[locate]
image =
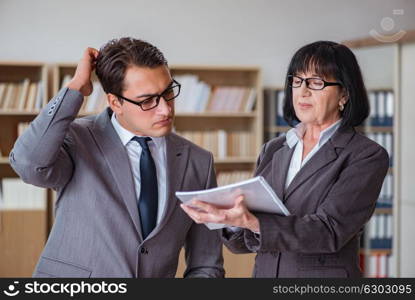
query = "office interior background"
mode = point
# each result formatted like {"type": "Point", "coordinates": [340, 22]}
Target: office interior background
{"type": "Point", "coordinates": [237, 48]}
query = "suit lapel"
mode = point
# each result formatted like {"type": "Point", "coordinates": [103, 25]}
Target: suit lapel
{"type": "Point", "coordinates": [324, 156]}
{"type": "Point", "coordinates": [118, 162]}
{"type": "Point", "coordinates": [280, 164]}
{"type": "Point", "coordinates": [177, 159]}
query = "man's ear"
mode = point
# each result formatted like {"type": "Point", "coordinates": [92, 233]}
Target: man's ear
{"type": "Point", "coordinates": [114, 103]}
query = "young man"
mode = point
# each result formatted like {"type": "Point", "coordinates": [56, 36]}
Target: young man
{"type": "Point", "coordinates": [116, 173]}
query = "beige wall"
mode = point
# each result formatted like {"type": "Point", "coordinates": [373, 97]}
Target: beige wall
{"type": "Point", "coordinates": [260, 32]}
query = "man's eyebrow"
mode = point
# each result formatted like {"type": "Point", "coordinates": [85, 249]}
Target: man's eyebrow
{"type": "Point", "coordinates": [150, 95]}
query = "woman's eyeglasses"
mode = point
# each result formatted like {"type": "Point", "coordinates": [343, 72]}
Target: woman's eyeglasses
{"type": "Point", "coordinates": [313, 83]}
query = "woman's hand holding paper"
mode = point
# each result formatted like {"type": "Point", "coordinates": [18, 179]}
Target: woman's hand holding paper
{"type": "Point", "coordinates": [238, 215]}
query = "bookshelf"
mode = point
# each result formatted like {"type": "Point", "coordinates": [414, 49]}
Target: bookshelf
{"type": "Point", "coordinates": [377, 250]}
{"type": "Point", "coordinates": [23, 225]}
{"type": "Point", "coordinates": [376, 244]}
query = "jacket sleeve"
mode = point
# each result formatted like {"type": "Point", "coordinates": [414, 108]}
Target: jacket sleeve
{"type": "Point", "coordinates": [235, 241]}
{"type": "Point", "coordinates": [352, 197]}
{"type": "Point", "coordinates": [42, 154]}
{"type": "Point", "coordinates": [203, 247]}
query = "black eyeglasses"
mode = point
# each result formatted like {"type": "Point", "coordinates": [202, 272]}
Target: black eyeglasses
{"type": "Point", "coordinates": [313, 83]}
{"type": "Point", "coordinates": [151, 101]}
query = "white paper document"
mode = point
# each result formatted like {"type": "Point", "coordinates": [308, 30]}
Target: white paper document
{"type": "Point", "coordinates": [259, 197]}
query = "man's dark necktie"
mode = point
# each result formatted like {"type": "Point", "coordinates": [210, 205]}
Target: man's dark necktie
{"type": "Point", "coordinates": [147, 204]}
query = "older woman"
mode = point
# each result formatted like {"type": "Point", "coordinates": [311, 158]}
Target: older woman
{"type": "Point", "coordinates": [328, 175]}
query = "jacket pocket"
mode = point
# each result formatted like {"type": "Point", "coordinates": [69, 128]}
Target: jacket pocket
{"type": "Point", "coordinates": [48, 267]}
{"type": "Point", "coordinates": [322, 273]}
{"type": "Point", "coordinates": [319, 260]}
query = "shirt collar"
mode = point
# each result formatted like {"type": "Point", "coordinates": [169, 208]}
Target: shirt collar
{"type": "Point", "coordinates": [296, 134]}
{"type": "Point", "coordinates": [126, 135]}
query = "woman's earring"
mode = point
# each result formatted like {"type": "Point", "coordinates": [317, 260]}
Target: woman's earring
{"type": "Point", "coordinates": [341, 106]}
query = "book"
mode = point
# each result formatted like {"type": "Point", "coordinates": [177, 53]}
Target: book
{"type": "Point", "coordinates": [9, 96]}
{"type": "Point", "coordinates": [259, 197]}
{"type": "Point", "coordinates": [3, 88]}
{"type": "Point", "coordinates": [31, 97]}
{"type": "Point", "coordinates": [17, 195]}
{"type": "Point", "coordinates": [250, 102]}
{"type": "Point", "coordinates": [23, 94]}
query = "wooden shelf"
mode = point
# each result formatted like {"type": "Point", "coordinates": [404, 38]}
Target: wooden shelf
{"type": "Point", "coordinates": [178, 115]}
{"type": "Point", "coordinates": [367, 129]}
{"type": "Point", "coordinates": [372, 251]}
{"type": "Point", "coordinates": [370, 41]}
{"type": "Point", "coordinates": [6, 169]}
{"type": "Point", "coordinates": [18, 113]}
{"type": "Point", "coordinates": [375, 129]}
{"type": "Point", "coordinates": [233, 160]}
{"type": "Point", "coordinates": [383, 210]}
{"type": "Point", "coordinates": [378, 251]}
{"type": "Point", "coordinates": [216, 115]}
{"type": "Point", "coordinates": [278, 128]}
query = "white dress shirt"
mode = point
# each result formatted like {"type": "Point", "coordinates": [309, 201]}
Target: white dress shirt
{"type": "Point", "coordinates": [157, 147]}
{"type": "Point", "coordinates": [295, 138]}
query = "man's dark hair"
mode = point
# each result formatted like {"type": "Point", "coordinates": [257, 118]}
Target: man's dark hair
{"type": "Point", "coordinates": [118, 54]}
{"type": "Point", "coordinates": [329, 59]}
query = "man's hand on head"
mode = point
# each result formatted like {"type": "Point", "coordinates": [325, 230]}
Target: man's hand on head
{"type": "Point", "coordinates": [82, 78]}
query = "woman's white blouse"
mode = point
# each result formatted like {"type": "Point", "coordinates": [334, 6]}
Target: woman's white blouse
{"type": "Point", "coordinates": [295, 139]}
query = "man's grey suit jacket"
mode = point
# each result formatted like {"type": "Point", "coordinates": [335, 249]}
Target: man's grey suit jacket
{"type": "Point", "coordinates": [330, 199]}
{"type": "Point", "coordinates": [97, 231]}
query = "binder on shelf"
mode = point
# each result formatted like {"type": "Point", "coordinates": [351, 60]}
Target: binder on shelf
{"type": "Point", "coordinates": [388, 144]}
{"type": "Point", "coordinates": [380, 232]}
{"type": "Point", "coordinates": [381, 109]}
{"type": "Point", "coordinates": [372, 105]}
{"type": "Point", "coordinates": [280, 109]}
{"type": "Point", "coordinates": [270, 110]}
{"type": "Point", "coordinates": [389, 108]}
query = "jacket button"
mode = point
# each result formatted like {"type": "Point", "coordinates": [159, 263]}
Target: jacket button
{"type": "Point", "coordinates": [143, 250]}
{"type": "Point", "coordinates": [321, 260]}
